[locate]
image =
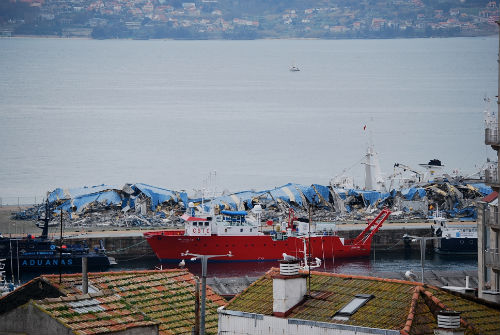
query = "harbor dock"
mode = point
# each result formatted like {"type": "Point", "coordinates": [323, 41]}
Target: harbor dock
{"type": "Point", "coordinates": [131, 243]}
{"type": "Point", "coordinates": [121, 242]}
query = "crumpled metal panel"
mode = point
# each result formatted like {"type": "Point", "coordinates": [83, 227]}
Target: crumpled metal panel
{"type": "Point", "coordinates": [71, 193]}
{"type": "Point", "coordinates": [157, 195]}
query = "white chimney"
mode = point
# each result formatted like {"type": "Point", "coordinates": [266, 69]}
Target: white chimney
{"type": "Point", "coordinates": [289, 288]}
{"type": "Point", "coordinates": [448, 323]}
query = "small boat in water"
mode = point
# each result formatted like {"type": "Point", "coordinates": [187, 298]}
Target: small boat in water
{"type": "Point", "coordinates": [5, 286]}
{"type": "Point", "coordinates": [294, 68]}
{"type": "Point", "coordinates": [229, 233]}
{"type": "Point", "coordinates": [456, 239]}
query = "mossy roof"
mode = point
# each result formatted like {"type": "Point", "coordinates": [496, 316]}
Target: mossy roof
{"type": "Point", "coordinates": [130, 299]}
{"type": "Point", "coordinates": [406, 306]}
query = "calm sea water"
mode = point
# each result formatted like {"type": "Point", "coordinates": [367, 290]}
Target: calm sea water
{"type": "Point", "coordinates": [86, 112]}
{"type": "Point", "coordinates": [379, 263]}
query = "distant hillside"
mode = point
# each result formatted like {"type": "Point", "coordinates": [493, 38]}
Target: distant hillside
{"type": "Point", "coordinates": [248, 19]}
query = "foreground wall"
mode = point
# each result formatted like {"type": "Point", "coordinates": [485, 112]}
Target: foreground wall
{"type": "Point", "coordinates": [236, 323]}
{"type": "Point", "coordinates": [30, 320]}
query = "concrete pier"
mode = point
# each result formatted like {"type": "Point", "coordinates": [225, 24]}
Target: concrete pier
{"type": "Point", "coordinates": [119, 244]}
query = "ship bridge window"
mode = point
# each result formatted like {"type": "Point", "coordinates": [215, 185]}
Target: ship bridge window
{"type": "Point", "coordinates": [206, 224]}
{"type": "Point", "coordinates": [352, 307]}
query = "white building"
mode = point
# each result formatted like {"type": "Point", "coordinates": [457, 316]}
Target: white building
{"type": "Point", "coordinates": [489, 222]}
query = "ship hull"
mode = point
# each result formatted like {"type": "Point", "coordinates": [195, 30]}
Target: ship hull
{"type": "Point", "coordinates": [169, 247]}
{"type": "Point", "coordinates": [43, 263]}
{"type": "Point", "coordinates": [41, 255]}
{"type": "Point", "coordinates": [464, 246]}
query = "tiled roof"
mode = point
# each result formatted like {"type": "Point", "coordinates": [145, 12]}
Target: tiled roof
{"type": "Point", "coordinates": [130, 299]}
{"type": "Point", "coordinates": [398, 305]}
{"type": "Point", "coordinates": [94, 313]}
{"type": "Point", "coordinates": [490, 197]}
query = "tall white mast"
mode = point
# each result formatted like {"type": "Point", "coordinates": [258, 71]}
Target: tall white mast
{"type": "Point", "coordinates": [373, 176]}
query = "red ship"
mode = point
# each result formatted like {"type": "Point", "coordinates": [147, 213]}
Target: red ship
{"type": "Point", "coordinates": [231, 233]}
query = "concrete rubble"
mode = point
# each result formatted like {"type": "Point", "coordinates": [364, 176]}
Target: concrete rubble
{"type": "Point", "coordinates": [146, 206]}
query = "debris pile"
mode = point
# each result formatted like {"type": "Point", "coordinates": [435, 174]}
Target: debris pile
{"type": "Point", "coordinates": [32, 213]}
{"type": "Point", "coordinates": [142, 205]}
{"type": "Point", "coordinates": [133, 205]}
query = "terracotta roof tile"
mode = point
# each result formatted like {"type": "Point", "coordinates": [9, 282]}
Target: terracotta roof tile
{"type": "Point", "coordinates": [131, 299]}
{"type": "Point", "coordinates": [490, 197]}
{"type": "Point", "coordinates": [399, 305]}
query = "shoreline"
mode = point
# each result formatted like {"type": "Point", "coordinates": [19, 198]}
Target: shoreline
{"type": "Point", "coordinates": [22, 227]}
{"type": "Point", "coordinates": [223, 39]}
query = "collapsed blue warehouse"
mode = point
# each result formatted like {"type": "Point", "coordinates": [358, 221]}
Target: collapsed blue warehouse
{"type": "Point", "coordinates": [457, 200]}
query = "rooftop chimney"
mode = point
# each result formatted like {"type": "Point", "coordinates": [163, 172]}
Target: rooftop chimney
{"type": "Point", "coordinates": [448, 323]}
{"type": "Point", "coordinates": [289, 288]}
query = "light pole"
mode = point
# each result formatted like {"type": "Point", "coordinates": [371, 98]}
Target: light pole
{"type": "Point", "coordinates": [203, 259]}
{"type": "Point", "coordinates": [423, 240]}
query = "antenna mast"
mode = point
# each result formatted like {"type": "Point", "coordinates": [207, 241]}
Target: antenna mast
{"type": "Point", "coordinates": [46, 219]}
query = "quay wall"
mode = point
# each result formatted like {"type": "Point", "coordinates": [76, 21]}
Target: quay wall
{"type": "Point", "coordinates": [118, 246]}
{"type": "Point", "coordinates": [392, 238]}
{"type": "Point", "coordinates": [133, 244]}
